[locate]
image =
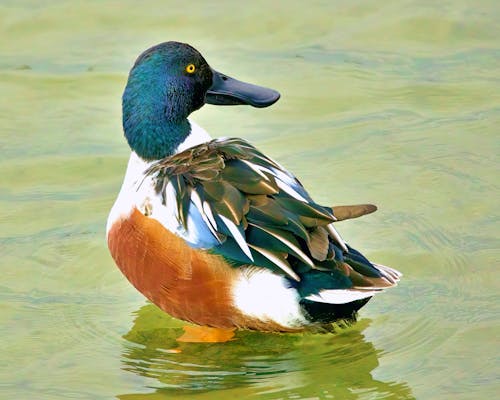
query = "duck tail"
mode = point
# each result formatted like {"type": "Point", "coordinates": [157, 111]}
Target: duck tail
{"type": "Point", "coordinates": [366, 279]}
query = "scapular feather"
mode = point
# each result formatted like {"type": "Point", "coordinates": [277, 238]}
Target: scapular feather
{"type": "Point", "coordinates": [268, 213]}
{"type": "Point", "coordinates": [353, 211]}
{"type": "Point", "coordinates": [318, 244]}
{"type": "Point", "coordinates": [256, 209]}
{"type": "Point", "coordinates": [309, 210]}
{"type": "Point", "coordinates": [288, 240]}
{"type": "Point", "coordinates": [259, 237]}
{"type": "Point", "coordinates": [238, 235]}
{"type": "Point", "coordinates": [183, 205]}
{"type": "Point", "coordinates": [336, 236]}
{"type": "Point", "coordinates": [277, 260]}
{"type": "Point", "coordinates": [232, 204]}
{"type": "Point", "coordinates": [206, 214]}
{"type": "Point", "coordinates": [246, 179]}
{"type": "Point", "coordinates": [296, 227]}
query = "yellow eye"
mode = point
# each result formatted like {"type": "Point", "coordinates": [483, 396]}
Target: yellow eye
{"type": "Point", "coordinates": [190, 68]}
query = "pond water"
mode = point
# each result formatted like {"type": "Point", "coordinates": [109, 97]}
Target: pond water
{"type": "Point", "coordinates": [395, 103]}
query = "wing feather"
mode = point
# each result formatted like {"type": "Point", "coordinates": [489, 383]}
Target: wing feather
{"type": "Point", "coordinates": [238, 235]}
{"type": "Point", "coordinates": [288, 240]}
{"type": "Point", "coordinates": [262, 215]}
{"type": "Point", "coordinates": [277, 260]}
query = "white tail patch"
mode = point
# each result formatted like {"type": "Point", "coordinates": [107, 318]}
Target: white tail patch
{"type": "Point", "coordinates": [341, 296]}
{"type": "Point", "coordinates": [261, 294]}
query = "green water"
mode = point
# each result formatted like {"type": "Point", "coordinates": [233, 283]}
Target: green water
{"type": "Point", "coordinates": [395, 103]}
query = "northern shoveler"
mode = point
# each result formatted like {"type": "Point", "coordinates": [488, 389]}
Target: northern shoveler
{"type": "Point", "coordinates": [213, 231]}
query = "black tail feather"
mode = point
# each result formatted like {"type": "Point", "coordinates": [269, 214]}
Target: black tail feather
{"type": "Point", "coordinates": [326, 313]}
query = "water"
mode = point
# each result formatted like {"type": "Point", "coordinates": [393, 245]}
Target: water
{"type": "Point", "coordinates": [397, 104]}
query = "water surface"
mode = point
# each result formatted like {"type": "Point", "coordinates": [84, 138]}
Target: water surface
{"type": "Point", "coordinates": [393, 103]}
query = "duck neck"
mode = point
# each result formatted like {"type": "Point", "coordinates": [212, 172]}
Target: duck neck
{"type": "Point", "coordinates": [154, 129]}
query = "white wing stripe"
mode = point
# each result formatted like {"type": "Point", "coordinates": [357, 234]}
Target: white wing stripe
{"type": "Point", "coordinates": [276, 260]}
{"type": "Point", "coordinates": [341, 296]}
{"type": "Point", "coordinates": [195, 199]}
{"type": "Point", "coordinates": [171, 199]}
{"type": "Point", "coordinates": [208, 212]}
{"type": "Point", "coordinates": [256, 169]}
{"type": "Point", "coordinates": [336, 236]}
{"type": "Point", "coordinates": [237, 236]}
{"type": "Point", "coordinates": [284, 181]}
{"type": "Point", "coordinates": [288, 189]}
{"type": "Point", "coordinates": [288, 243]}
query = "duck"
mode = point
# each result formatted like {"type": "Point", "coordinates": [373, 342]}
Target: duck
{"type": "Point", "coordinates": [213, 231]}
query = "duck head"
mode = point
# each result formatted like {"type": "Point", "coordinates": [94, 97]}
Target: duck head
{"type": "Point", "coordinates": [166, 84]}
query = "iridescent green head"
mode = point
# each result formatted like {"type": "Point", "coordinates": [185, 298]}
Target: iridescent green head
{"type": "Point", "coordinates": [166, 84]}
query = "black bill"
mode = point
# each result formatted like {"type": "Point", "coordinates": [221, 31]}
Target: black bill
{"type": "Point", "coordinates": [226, 91]}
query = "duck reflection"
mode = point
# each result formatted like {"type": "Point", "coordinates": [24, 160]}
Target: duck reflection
{"type": "Point", "coordinates": [271, 365]}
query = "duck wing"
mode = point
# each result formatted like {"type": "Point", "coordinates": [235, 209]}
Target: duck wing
{"type": "Point", "coordinates": [353, 211]}
{"type": "Point", "coordinates": [260, 214]}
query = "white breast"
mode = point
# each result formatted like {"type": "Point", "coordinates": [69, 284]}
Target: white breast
{"type": "Point", "coordinates": [138, 191]}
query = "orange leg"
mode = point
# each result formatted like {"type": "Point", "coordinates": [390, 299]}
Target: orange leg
{"type": "Point", "coordinates": [205, 334]}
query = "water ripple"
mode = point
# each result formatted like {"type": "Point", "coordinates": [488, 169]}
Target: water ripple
{"type": "Point", "coordinates": [261, 363]}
